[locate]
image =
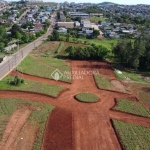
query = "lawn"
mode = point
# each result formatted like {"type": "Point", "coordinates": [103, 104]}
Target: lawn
{"type": "Point", "coordinates": [95, 19]}
{"type": "Point", "coordinates": [133, 76]}
{"type": "Point", "coordinates": [60, 48]}
{"type": "Point", "coordinates": [102, 83]}
{"type": "Point", "coordinates": [45, 68]}
{"type": "Point", "coordinates": [145, 96]}
{"type": "Point", "coordinates": [39, 117]}
{"type": "Point", "coordinates": [32, 86]}
{"type": "Point", "coordinates": [87, 97]}
{"type": "Point", "coordinates": [105, 42]}
{"type": "Point", "coordinates": [132, 137]}
{"type": "Point", "coordinates": [132, 107]}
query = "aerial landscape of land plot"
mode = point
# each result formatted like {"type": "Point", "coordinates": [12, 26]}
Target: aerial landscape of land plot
{"type": "Point", "coordinates": [74, 117]}
{"type": "Point", "coordinates": [75, 80]}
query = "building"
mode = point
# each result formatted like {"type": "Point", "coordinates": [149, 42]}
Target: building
{"type": "Point", "coordinates": [77, 24]}
{"type": "Point", "coordinates": [86, 23]}
{"type": "Point", "coordinates": [62, 30]}
{"type": "Point", "coordinates": [97, 14]}
{"type": "Point", "coordinates": [79, 14]}
{"type": "Point", "coordinates": [65, 24]}
{"type": "Point", "coordinates": [38, 27]}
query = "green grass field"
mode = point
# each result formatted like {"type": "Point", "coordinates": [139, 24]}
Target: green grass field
{"type": "Point", "coordinates": [102, 83]}
{"type": "Point", "coordinates": [60, 48]}
{"type": "Point", "coordinates": [45, 67]}
{"type": "Point", "coordinates": [132, 76]}
{"type": "Point", "coordinates": [132, 107]}
{"type": "Point", "coordinates": [133, 137]}
{"type": "Point", "coordinates": [87, 97]}
{"type": "Point", "coordinates": [95, 19]}
{"type": "Point", "coordinates": [32, 86]}
{"type": "Point", "coordinates": [145, 96]}
{"type": "Point", "coordinates": [39, 117]}
{"type": "Point", "coordinates": [105, 42]}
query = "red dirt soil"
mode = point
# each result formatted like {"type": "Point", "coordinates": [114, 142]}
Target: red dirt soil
{"type": "Point", "coordinates": [92, 129]}
{"type": "Point", "coordinates": [58, 133]}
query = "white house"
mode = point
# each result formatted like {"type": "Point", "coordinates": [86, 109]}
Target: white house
{"type": "Point", "coordinates": [62, 30]}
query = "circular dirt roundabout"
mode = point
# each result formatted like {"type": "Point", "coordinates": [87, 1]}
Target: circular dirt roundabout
{"type": "Point", "coordinates": [87, 97]}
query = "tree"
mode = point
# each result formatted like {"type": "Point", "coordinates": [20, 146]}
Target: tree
{"type": "Point", "coordinates": [2, 45]}
{"type": "Point", "coordinates": [54, 36]}
{"type": "Point", "coordinates": [67, 37]}
{"type": "Point", "coordinates": [2, 31]}
{"type": "Point", "coordinates": [58, 15]}
{"type": "Point", "coordinates": [15, 28]}
{"type": "Point", "coordinates": [135, 63]}
{"type": "Point", "coordinates": [95, 33]}
{"type": "Point", "coordinates": [25, 38]}
{"type": "Point", "coordinates": [18, 35]}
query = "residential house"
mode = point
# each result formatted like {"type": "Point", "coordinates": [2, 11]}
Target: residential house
{"type": "Point", "coordinates": [65, 24]}
{"type": "Point", "coordinates": [38, 27]}
{"type": "Point", "coordinates": [86, 24]}
{"type": "Point", "coordinates": [44, 19]}
{"type": "Point", "coordinates": [77, 24]}
{"type": "Point", "coordinates": [62, 30]}
{"type": "Point", "coordinates": [11, 19]}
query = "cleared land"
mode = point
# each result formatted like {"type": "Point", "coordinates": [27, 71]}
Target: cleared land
{"type": "Point", "coordinates": [132, 136]}
{"type": "Point", "coordinates": [24, 123]}
{"type": "Point", "coordinates": [76, 125]}
{"type": "Point", "coordinates": [59, 130]}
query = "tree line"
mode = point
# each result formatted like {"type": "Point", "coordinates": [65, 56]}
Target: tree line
{"type": "Point", "coordinates": [135, 54]}
{"type": "Point", "coordinates": [93, 52]}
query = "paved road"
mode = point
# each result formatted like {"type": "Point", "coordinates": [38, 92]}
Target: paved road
{"type": "Point", "coordinates": [13, 61]}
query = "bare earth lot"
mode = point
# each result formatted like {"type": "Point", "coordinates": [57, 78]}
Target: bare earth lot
{"type": "Point", "coordinates": [75, 125]}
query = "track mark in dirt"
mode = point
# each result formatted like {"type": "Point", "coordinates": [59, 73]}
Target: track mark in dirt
{"type": "Point", "coordinates": [27, 137]}
{"type": "Point", "coordinates": [58, 134]}
{"type": "Point", "coordinates": [13, 128]}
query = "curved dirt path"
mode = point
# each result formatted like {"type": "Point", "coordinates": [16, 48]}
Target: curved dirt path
{"type": "Point", "coordinates": [91, 122]}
